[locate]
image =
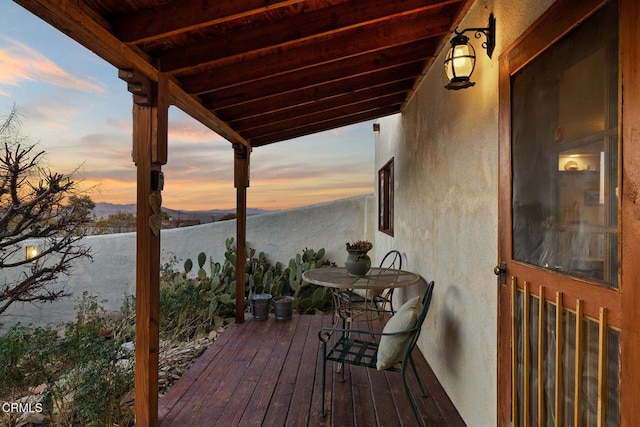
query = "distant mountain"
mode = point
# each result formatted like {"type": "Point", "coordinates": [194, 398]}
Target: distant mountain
{"type": "Point", "coordinates": [103, 210]}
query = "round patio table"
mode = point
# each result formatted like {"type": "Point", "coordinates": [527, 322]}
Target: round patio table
{"type": "Point", "coordinates": [342, 283]}
{"type": "Point", "coordinates": [376, 278]}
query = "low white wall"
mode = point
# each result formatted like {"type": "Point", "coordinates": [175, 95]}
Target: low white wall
{"type": "Point", "coordinates": [279, 235]}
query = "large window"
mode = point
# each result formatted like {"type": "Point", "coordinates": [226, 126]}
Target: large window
{"type": "Point", "coordinates": [385, 198]}
{"type": "Point", "coordinates": [565, 154]}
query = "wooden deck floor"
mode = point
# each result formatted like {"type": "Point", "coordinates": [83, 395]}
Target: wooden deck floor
{"type": "Point", "coordinates": [267, 373]}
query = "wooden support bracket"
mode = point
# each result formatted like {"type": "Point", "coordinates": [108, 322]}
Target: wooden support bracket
{"type": "Point", "coordinates": [139, 85]}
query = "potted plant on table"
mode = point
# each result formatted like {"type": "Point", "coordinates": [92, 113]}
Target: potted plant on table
{"type": "Point", "coordinates": [358, 262]}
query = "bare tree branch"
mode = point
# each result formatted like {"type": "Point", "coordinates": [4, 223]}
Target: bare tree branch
{"type": "Point", "coordinates": [36, 203]}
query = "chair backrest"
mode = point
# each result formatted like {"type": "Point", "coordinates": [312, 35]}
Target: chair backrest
{"type": "Point", "coordinates": [426, 302]}
{"type": "Point", "coordinates": [393, 259]}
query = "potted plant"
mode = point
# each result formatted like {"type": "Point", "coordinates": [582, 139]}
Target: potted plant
{"type": "Point", "coordinates": [358, 262]}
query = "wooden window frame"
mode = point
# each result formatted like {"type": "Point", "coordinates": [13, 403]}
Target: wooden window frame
{"type": "Point", "coordinates": [385, 198]}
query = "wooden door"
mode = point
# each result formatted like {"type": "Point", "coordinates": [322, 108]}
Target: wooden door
{"type": "Point", "coordinates": [560, 303]}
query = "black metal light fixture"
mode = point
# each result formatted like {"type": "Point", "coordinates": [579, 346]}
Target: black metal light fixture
{"type": "Point", "coordinates": [461, 58]}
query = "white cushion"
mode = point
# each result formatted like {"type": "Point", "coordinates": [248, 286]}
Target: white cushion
{"type": "Point", "coordinates": [391, 347]}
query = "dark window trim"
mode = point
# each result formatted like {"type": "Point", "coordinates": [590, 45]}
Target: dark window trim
{"type": "Point", "coordinates": [385, 198]}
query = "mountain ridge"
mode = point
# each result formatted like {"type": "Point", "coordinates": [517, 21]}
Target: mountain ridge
{"type": "Point", "coordinates": [104, 209]}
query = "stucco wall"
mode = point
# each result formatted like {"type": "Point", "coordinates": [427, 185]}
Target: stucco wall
{"type": "Point", "coordinates": [279, 235]}
{"type": "Point", "coordinates": [445, 149]}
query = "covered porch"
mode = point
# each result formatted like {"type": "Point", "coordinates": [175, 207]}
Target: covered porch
{"type": "Point", "coordinates": [268, 373]}
{"type": "Point", "coordinates": [258, 72]}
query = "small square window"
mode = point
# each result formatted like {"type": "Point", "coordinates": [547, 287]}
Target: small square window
{"type": "Point", "coordinates": [385, 198]}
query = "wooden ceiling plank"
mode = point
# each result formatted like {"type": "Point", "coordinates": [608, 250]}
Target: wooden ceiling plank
{"type": "Point", "coordinates": [317, 117]}
{"type": "Point", "coordinates": [379, 94]}
{"type": "Point", "coordinates": [349, 68]}
{"type": "Point", "coordinates": [324, 126]}
{"type": "Point", "coordinates": [186, 15]}
{"type": "Point", "coordinates": [329, 110]}
{"type": "Point", "coordinates": [307, 86]}
{"type": "Point", "coordinates": [71, 18]}
{"type": "Point", "coordinates": [403, 75]}
{"type": "Point", "coordinates": [295, 30]}
{"type": "Point", "coordinates": [462, 11]}
{"type": "Point", "coordinates": [379, 38]}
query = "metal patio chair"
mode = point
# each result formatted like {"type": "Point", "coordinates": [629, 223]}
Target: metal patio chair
{"type": "Point", "coordinates": [350, 349]}
{"type": "Point", "coordinates": [382, 302]}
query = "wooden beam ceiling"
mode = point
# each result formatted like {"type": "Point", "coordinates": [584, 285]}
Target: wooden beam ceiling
{"type": "Point", "coordinates": [262, 71]}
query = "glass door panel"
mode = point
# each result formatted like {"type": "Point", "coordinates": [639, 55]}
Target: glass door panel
{"type": "Point", "coordinates": [564, 154]}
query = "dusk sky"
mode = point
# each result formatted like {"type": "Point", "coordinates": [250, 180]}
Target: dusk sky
{"type": "Point", "coordinates": [74, 106]}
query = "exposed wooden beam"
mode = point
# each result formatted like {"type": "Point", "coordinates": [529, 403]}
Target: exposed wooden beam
{"type": "Point", "coordinates": [444, 42]}
{"type": "Point", "coordinates": [187, 15]}
{"type": "Point", "coordinates": [322, 126]}
{"type": "Point", "coordinates": [322, 51]}
{"type": "Point", "coordinates": [294, 30]}
{"type": "Point", "coordinates": [72, 18]}
{"type": "Point", "coordinates": [377, 93]}
{"type": "Point", "coordinates": [287, 98]}
{"type": "Point", "coordinates": [325, 115]}
{"type": "Point", "coordinates": [349, 68]}
{"type": "Point", "coordinates": [327, 110]}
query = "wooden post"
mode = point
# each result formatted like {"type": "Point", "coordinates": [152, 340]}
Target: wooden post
{"type": "Point", "coordinates": [150, 120]}
{"type": "Point", "coordinates": [241, 180]}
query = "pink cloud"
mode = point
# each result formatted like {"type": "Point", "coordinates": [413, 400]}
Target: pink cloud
{"type": "Point", "coordinates": [19, 62]}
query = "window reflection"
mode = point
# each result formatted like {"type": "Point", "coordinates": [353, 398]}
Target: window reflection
{"type": "Point", "coordinates": [564, 145]}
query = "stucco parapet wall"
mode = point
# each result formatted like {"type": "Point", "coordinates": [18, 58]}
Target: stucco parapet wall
{"type": "Point", "coordinates": [280, 235]}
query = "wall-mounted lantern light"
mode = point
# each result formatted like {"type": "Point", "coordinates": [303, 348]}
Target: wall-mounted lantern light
{"type": "Point", "coordinates": [461, 58]}
{"type": "Point", "coordinates": [31, 252]}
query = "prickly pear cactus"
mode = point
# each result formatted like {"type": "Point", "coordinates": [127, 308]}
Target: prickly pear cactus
{"type": "Point", "coordinates": [217, 286]}
{"type": "Point", "coordinates": [188, 265]}
{"type": "Point", "coordinates": [308, 297]}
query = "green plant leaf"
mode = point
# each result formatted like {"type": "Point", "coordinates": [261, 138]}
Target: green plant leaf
{"type": "Point", "coordinates": [202, 258]}
{"type": "Point", "coordinates": [188, 265]}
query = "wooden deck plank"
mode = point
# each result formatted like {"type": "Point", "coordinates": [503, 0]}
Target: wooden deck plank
{"type": "Point", "coordinates": [283, 394]}
{"type": "Point", "coordinates": [302, 401]}
{"type": "Point", "coordinates": [341, 399]}
{"type": "Point", "coordinates": [440, 402]}
{"type": "Point", "coordinates": [383, 400]}
{"type": "Point", "coordinates": [181, 387]}
{"type": "Point", "coordinates": [208, 379]}
{"type": "Point", "coordinates": [260, 399]}
{"type": "Point", "coordinates": [268, 373]}
{"type": "Point", "coordinates": [364, 411]}
{"type": "Point", "coordinates": [247, 399]}
{"type": "Point", "coordinates": [232, 375]}
{"type": "Point", "coordinates": [315, 420]}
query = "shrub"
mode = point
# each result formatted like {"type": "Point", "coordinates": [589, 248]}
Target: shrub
{"type": "Point", "coordinates": [100, 372]}
{"type": "Point", "coordinates": [86, 372]}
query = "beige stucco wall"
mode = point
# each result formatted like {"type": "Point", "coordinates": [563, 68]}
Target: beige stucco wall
{"type": "Point", "coordinates": [280, 235]}
{"type": "Point", "coordinates": [445, 149]}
